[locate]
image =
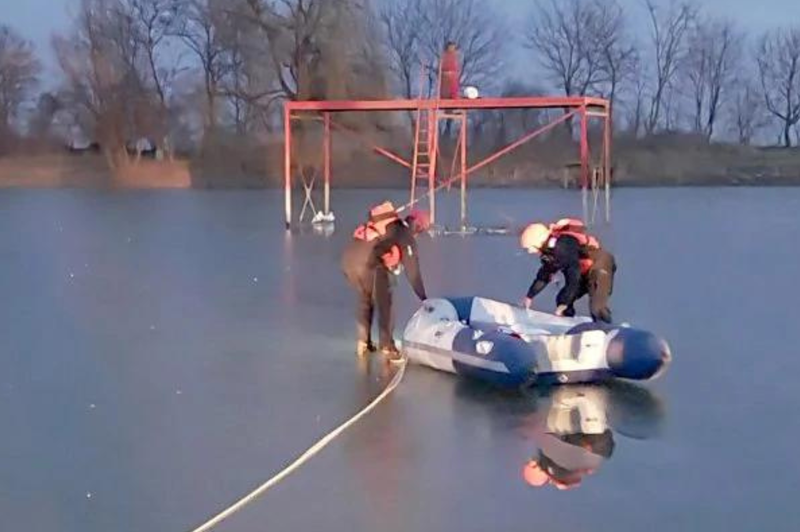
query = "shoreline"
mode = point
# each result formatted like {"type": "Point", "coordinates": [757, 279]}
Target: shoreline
{"type": "Point", "coordinates": [250, 184]}
{"type": "Point", "coordinates": [298, 190]}
{"type": "Point", "coordinates": [87, 172]}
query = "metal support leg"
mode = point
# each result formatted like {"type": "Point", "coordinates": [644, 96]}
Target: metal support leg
{"type": "Point", "coordinates": [585, 160]}
{"type": "Point", "coordinates": [463, 154]}
{"type": "Point", "coordinates": [287, 165]}
{"type": "Point", "coordinates": [308, 187]}
{"type": "Point", "coordinates": [607, 139]}
{"type": "Point", "coordinates": [327, 163]}
{"type": "Point", "coordinates": [433, 146]}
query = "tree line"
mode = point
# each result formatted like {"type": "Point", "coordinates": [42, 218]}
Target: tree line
{"type": "Point", "coordinates": [187, 72]}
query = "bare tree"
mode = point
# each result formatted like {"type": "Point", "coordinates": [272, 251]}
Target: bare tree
{"type": "Point", "coordinates": [480, 34]}
{"type": "Point", "coordinates": [317, 47]}
{"type": "Point", "coordinates": [351, 61]}
{"type": "Point", "coordinates": [19, 75]}
{"type": "Point", "coordinates": [669, 30]}
{"type": "Point", "coordinates": [115, 72]}
{"type": "Point", "coordinates": [402, 21]}
{"type": "Point", "coordinates": [155, 22]}
{"type": "Point", "coordinates": [122, 34]}
{"type": "Point", "coordinates": [47, 106]}
{"type": "Point", "coordinates": [292, 29]}
{"type": "Point", "coordinates": [199, 28]}
{"type": "Point", "coordinates": [618, 51]}
{"type": "Point", "coordinates": [585, 46]}
{"type": "Point", "coordinates": [778, 57]}
{"type": "Point", "coordinates": [156, 19]}
{"type": "Point", "coordinates": [237, 80]}
{"type": "Point", "coordinates": [416, 32]}
{"type": "Point", "coordinates": [747, 111]}
{"type": "Point", "coordinates": [563, 36]}
{"type": "Point", "coordinates": [104, 87]}
{"type": "Point", "coordinates": [711, 70]}
{"type": "Point", "coordinates": [636, 118]}
{"type": "Point", "coordinates": [235, 84]}
{"type": "Point", "coordinates": [371, 60]}
{"type": "Point", "coordinates": [672, 108]}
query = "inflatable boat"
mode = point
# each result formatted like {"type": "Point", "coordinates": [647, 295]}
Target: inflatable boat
{"type": "Point", "coordinates": [510, 346]}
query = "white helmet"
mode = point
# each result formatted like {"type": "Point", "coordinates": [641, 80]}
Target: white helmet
{"type": "Point", "coordinates": [534, 237]}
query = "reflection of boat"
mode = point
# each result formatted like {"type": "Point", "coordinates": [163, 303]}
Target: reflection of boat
{"type": "Point", "coordinates": [504, 344]}
{"type": "Point", "coordinates": [318, 229]}
{"type": "Point", "coordinates": [574, 427]}
{"type": "Point", "coordinates": [324, 229]}
{"type": "Point", "coordinates": [573, 439]}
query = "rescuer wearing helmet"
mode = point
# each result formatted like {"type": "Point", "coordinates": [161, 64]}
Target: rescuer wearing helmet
{"type": "Point", "coordinates": [382, 247]}
{"type": "Point", "coordinates": [566, 247]}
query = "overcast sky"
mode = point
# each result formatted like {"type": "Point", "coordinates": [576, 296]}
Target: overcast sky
{"type": "Point", "coordinates": [37, 19]}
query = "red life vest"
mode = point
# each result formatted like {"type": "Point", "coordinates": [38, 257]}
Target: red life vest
{"type": "Point", "coordinates": [577, 230]}
{"type": "Point", "coordinates": [380, 217]}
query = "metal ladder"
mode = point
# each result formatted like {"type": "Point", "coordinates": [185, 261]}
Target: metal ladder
{"type": "Point", "coordinates": [426, 140]}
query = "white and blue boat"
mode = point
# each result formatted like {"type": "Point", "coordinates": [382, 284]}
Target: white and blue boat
{"type": "Point", "coordinates": [508, 345]}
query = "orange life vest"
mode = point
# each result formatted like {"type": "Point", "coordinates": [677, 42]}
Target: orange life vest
{"type": "Point", "coordinates": [577, 230]}
{"type": "Point", "coordinates": [380, 217]}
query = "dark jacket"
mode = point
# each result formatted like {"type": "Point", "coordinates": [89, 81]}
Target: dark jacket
{"type": "Point", "coordinates": [565, 257]}
{"type": "Point", "coordinates": [361, 258]}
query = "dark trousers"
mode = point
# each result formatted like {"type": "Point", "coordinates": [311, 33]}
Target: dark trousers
{"type": "Point", "coordinates": [374, 289]}
{"type": "Point", "coordinates": [598, 283]}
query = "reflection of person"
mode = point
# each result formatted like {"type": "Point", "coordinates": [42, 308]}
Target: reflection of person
{"type": "Point", "coordinates": [574, 441]}
{"type": "Point", "coordinates": [573, 427]}
{"type": "Point", "coordinates": [385, 245]}
{"type": "Point", "coordinates": [451, 72]}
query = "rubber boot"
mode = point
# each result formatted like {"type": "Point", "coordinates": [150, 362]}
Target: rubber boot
{"type": "Point", "coordinates": [364, 348]}
{"type": "Point", "coordinates": [392, 354]}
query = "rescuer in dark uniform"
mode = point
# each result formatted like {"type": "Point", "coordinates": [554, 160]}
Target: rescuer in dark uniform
{"type": "Point", "coordinates": [382, 247]}
{"type": "Point", "coordinates": [587, 268]}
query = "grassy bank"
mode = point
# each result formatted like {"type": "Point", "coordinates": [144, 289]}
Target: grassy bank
{"type": "Point", "coordinates": [658, 162]}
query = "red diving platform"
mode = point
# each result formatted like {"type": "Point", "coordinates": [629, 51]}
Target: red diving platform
{"type": "Point", "coordinates": [585, 108]}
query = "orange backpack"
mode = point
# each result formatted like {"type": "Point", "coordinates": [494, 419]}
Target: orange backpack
{"type": "Point", "coordinates": [577, 230]}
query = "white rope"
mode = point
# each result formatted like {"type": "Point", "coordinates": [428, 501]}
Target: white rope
{"type": "Point", "coordinates": [303, 458]}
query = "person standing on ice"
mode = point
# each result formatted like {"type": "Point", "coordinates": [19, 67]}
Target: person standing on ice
{"type": "Point", "coordinates": [380, 248]}
{"type": "Point", "coordinates": [566, 247]}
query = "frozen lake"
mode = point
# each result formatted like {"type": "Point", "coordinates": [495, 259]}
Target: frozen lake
{"type": "Point", "coordinates": [165, 352]}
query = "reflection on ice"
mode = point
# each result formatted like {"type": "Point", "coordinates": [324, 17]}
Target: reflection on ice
{"type": "Point", "coordinates": [572, 429]}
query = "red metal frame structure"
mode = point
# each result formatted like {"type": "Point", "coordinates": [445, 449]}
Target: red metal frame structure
{"type": "Point", "coordinates": [583, 107]}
